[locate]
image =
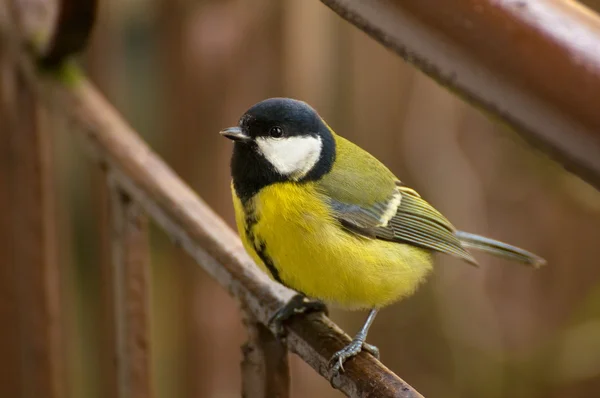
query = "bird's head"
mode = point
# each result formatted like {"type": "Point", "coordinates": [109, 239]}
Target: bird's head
{"type": "Point", "coordinates": [279, 139]}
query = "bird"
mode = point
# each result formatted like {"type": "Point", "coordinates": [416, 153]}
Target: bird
{"type": "Point", "coordinates": [325, 218]}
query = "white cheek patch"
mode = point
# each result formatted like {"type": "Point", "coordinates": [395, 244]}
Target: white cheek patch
{"type": "Point", "coordinates": [291, 156]}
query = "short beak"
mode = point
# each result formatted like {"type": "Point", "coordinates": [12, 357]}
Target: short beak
{"type": "Point", "coordinates": [235, 134]}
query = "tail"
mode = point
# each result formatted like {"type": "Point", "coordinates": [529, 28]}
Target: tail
{"type": "Point", "coordinates": [472, 241]}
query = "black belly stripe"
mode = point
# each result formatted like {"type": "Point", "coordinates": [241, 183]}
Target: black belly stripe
{"type": "Point", "coordinates": [259, 245]}
{"type": "Point", "coordinates": [262, 253]}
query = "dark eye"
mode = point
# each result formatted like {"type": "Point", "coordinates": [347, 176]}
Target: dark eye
{"type": "Point", "coordinates": [276, 132]}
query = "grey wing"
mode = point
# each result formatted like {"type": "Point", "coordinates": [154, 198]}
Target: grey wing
{"type": "Point", "coordinates": [368, 220]}
{"type": "Point", "coordinates": [404, 218]}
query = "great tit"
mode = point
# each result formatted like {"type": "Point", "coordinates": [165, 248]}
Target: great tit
{"type": "Point", "coordinates": [325, 218]}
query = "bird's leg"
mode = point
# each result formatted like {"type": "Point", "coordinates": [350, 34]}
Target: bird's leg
{"type": "Point", "coordinates": [299, 304]}
{"type": "Point", "coordinates": [356, 345]}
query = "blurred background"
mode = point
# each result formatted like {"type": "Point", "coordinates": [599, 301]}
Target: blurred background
{"type": "Point", "coordinates": [182, 70]}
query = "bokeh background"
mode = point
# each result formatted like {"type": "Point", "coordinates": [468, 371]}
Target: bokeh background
{"type": "Point", "coordinates": [180, 70]}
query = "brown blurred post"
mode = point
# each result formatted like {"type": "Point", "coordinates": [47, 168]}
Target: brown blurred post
{"type": "Point", "coordinates": [10, 369]}
{"type": "Point", "coordinates": [130, 294]}
{"type": "Point", "coordinates": [201, 45]}
{"type": "Point", "coordinates": [30, 344]}
{"type": "Point", "coordinates": [265, 370]}
{"type": "Point", "coordinates": [193, 378]}
{"type": "Point", "coordinates": [104, 52]}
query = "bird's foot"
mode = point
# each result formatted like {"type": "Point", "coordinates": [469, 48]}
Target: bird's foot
{"type": "Point", "coordinates": [299, 304]}
{"type": "Point", "coordinates": [336, 363]}
{"type": "Point", "coordinates": [371, 349]}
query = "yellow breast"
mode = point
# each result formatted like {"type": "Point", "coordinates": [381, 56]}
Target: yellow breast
{"type": "Point", "coordinates": [314, 255]}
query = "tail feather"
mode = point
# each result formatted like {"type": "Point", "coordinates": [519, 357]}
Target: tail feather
{"type": "Point", "coordinates": [494, 247]}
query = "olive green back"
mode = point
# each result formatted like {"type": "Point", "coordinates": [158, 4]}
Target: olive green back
{"type": "Point", "coordinates": [357, 178]}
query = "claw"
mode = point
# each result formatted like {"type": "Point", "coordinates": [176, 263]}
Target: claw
{"type": "Point", "coordinates": [299, 304]}
{"type": "Point", "coordinates": [371, 349]}
{"type": "Point", "coordinates": [336, 363]}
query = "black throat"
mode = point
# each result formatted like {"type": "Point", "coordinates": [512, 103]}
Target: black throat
{"type": "Point", "coordinates": [251, 172]}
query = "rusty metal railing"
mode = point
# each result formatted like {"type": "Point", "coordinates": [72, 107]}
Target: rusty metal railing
{"type": "Point", "coordinates": [498, 54]}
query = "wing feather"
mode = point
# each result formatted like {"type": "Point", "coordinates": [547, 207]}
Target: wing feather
{"type": "Point", "coordinates": [414, 222]}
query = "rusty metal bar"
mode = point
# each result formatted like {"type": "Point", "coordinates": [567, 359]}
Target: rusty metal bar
{"type": "Point", "coordinates": [131, 296]}
{"type": "Point", "coordinates": [73, 28]}
{"type": "Point", "coordinates": [108, 355]}
{"type": "Point", "coordinates": [29, 260]}
{"type": "Point", "coordinates": [265, 369]}
{"type": "Point", "coordinates": [193, 225]}
{"type": "Point", "coordinates": [534, 64]}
